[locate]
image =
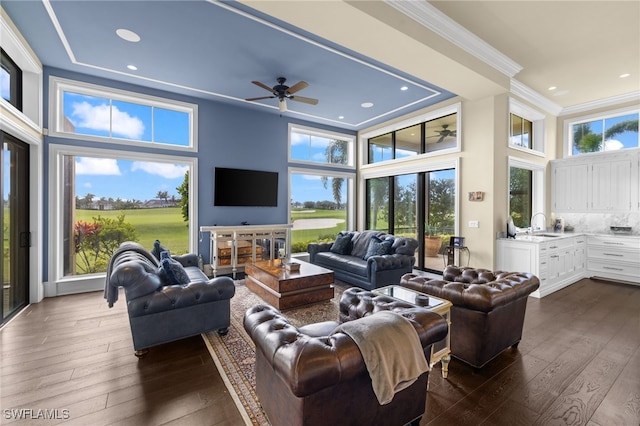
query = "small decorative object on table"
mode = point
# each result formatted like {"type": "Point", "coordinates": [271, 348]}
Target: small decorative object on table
{"type": "Point", "coordinates": [292, 266]}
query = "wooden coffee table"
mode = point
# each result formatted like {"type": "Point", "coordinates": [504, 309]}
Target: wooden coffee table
{"type": "Point", "coordinates": [286, 289]}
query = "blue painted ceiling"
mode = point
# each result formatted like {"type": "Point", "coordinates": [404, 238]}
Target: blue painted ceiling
{"type": "Point", "coordinates": [213, 50]}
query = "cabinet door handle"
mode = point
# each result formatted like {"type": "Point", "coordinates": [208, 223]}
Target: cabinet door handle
{"type": "Point", "coordinates": [553, 247]}
{"type": "Point", "coordinates": [554, 256]}
{"type": "Point", "coordinates": [612, 269]}
{"type": "Point", "coordinates": [613, 254]}
{"type": "Point", "coordinates": [614, 244]}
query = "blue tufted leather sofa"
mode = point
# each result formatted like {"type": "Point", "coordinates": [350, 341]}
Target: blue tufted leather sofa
{"type": "Point", "coordinates": [376, 271]}
{"type": "Point", "coordinates": [163, 313]}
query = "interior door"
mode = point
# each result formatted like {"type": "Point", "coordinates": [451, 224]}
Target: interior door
{"type": "Point", "coordinates": [16, 237]}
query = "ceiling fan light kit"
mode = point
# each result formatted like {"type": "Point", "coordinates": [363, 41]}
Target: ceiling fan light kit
{"type": "Point", "coordinates": [283, 92]}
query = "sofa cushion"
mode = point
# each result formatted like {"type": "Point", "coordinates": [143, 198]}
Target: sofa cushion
{"type": "Point", "coordinates": [353, 265]}
{"type": "Point", "coordinates": [378, 247]}
{"type": "Point", "coordinates": [360, 241]}
{"type": "Point", "coordinates": [342, 245]}
{"type": "Point", "coordinates": [174, 272]}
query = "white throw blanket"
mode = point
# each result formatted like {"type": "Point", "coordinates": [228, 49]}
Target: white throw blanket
{"type": "Point", "coordinates": [391, 350]}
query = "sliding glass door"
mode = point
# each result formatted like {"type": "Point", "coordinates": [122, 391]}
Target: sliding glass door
{"type": "Point", "coordinates": [16, 237]}
{"type": "Point", "coordinates": [422, 207]}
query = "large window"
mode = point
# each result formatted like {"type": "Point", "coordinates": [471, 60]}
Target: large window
{"type": "Point", "coordinates": [92, 112]}
{"type": "Point", "coordinates": [526, 193]}
{"type": "Point", "coordinates": [618, 130]}
{"type": "Point", "coordinates": [107, 197]}
{"type": "Point", "coordinates": [10, 81]}
{"type": "Point", "coordinates": [321, 190]}
{"type": "Point", "coordinates": [436, 133]}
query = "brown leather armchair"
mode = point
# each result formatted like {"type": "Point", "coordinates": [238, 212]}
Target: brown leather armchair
{"type": "Point", "coordinates": [488, 309]}
{"type": "Point", "coordinates": [309, 376]}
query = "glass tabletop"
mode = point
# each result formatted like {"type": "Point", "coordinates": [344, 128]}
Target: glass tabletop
{"type": "Point", "coordinates": [408, 295]}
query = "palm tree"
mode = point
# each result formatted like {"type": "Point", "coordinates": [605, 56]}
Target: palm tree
{"type": "Point", "coordinates": [587, 141]}
{"type": "Point", "coordinates": [336, 153]}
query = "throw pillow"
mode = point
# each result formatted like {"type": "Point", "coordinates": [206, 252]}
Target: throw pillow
{"type": "Point", "coordinates": [378, 247]}
{"type": "Point", "coordinates": [174, 272]}
{"type": "Point", "coordinates": [342, 245]}
{"type": "Point", "coordinates": [157, 249]}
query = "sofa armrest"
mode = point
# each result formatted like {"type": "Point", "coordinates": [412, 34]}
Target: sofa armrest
{"type": "Point", "coordinates": [387, 262]}
{"type": "Point", "coordinates": [189, 259]}
{"type": "Point", "coordinates": [308, 364]}
{"type": "Point", "coordinates": [313, 248]}
{"type": "Point", "coordinates": [134, 278]}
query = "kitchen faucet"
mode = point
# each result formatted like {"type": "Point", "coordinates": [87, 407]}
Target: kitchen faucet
{"type": "Point", "coordinates": [531, 222]}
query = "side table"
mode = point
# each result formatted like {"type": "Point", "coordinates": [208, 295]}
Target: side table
{"type": "Point", "coordinates": [440, 351]}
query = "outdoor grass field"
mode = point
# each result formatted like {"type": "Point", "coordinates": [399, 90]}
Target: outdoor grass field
{"type": "Point", "coordinates": [164, 224]}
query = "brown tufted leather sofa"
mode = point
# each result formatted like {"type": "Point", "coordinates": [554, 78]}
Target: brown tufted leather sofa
{"type": "Point", "coordinates": [488, 308]}
{"type": "Point", "coordinates": [309, 376]}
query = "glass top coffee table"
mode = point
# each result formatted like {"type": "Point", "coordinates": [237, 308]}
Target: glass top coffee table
{"type": "Point", "coordinates": [440, 351]}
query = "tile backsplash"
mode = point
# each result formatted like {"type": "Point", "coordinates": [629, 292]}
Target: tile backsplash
{"type": "Point", "coordinates": [599, 223]}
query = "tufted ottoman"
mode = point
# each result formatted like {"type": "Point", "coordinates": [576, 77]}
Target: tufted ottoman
{"type": "Point", "coordinates": [488, 308]}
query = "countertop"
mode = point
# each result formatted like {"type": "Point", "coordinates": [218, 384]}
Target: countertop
{"type": "Point", "coordinates": [540, 237]}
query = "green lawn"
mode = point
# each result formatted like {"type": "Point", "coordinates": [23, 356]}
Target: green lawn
{"type": "Point", "coordinates": [164, 224]}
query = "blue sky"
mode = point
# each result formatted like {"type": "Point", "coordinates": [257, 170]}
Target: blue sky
{"type": "Point", "coordinates": [127, 179]}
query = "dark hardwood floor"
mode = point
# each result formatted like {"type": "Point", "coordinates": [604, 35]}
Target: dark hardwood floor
{"type": "Point", "coordinates": [578, 364]}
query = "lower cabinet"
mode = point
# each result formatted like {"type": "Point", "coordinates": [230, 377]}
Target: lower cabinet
{"type": "Point", "coordinates": [557, 262]}
{"type": "Point", "coordinates": [614, 257]}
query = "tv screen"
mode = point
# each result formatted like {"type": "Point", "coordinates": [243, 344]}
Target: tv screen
{"type": "Point", "coordinates": [238, 187]}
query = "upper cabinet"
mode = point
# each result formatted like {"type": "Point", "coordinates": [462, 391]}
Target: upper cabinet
{"type": "Point", "coordinates": [606, 182]}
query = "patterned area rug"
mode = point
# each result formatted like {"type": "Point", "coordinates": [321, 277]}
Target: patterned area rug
{"type": "Point", "coordinates": [234, 354]}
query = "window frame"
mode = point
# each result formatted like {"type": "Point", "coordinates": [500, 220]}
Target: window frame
{"type": "Point", "coordinates": [324, 134]}
{"type": "Point", "coordinates": [61, 284]}
{"type": "Point", "coordinates": [537, 127]}
{"type": "Point", "coordinates": [567, 149]}
{"type": "Point", "coordinates": [58, 86]}
{"type": "Point", "coordinates": [538, 200]}
{"type": "Point", "coordinates": [363, 138]}
{"type": "Point", "coordinates": [15, 82]}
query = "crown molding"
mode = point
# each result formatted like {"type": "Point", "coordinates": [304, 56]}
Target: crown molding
{"type": "Point", "coordinates": [528, 94]}
{"type": "Point", "coordinates": [603, 103]}
{"type": "Point", "coordinates": [434, 20]}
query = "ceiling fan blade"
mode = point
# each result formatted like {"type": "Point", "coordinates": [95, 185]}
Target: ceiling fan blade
{"type": "Point", "coordinates": [261, 97]}
{"type": "Point", "coordinates": [453, 133]}
{"type": "Point", "coordinates": [305, 100]}
{"type": "Point", "coordinates": [296, 87]}
{"type": "Point", "coordinates": [264, 86]}
{"type": "Point", "coordinates": [440, 139]}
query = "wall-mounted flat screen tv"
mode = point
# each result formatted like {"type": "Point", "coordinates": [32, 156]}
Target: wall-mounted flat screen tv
{"type": "Point", "coordinates": [239, 187]}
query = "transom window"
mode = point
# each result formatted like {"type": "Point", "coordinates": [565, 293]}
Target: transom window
{"type": "Point", "coordinates": [435, 132]}
{"type": "Point", "coordinates": [309, 145]}
{"type": "Point", "coordinates": [92, 112]}
{"type": "Point", "coordinates": [526, 128]}
{"type": "Point", "coordinates": [612, 132]}
{"type": "Point", "coordinates": [10, 81]}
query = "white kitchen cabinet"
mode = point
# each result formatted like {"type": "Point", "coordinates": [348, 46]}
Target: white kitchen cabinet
{"type": "Point", "coordinates": [599, 182]}
{"type": "Point", "coordinates": [614, 257]}
{"type": "Point", "coordinates": [570, 186]}
{"type": "Point", "coordinates": [611, 188]}
{"type": "Point", "coordinates": [557, 262]}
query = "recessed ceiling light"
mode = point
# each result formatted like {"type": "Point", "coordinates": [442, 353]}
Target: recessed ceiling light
{"type": "Point", "coordinates": [625, 75]}
{"type": "Point", "coordinates": [341, 117]}
{"type": "Point", "coordinates": [366, 104]}
{"type": "Point", "coordinates": [552, 88]}
{"type": "Point", "coordinates": [132, 67]}
{"type": "Point", "coordinates": [403, 88]}
{"type": "Point", "coordinates": [128, 35]}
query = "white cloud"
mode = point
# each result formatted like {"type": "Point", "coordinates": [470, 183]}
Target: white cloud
{"type": "Point", "coordinates": [87, 185]}
{"type": "Point", "coordinates": [97, 166]}
{"type": "Point", "coordinates": [97, 117]}
{"type": "Point", "coordinates": [612, 145]}
{"type": "Point", "coordinates": [167, 170]}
